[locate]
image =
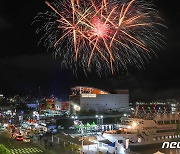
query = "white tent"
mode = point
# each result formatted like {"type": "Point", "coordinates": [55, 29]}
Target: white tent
{"type": "Point", "coordinates": [158, 152]}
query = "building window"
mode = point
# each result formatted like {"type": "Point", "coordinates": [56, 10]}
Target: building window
{"type": "Point", "coordinates": [172, 121]}
{"type": "Point", "coordinates": [166, 122]}
{"type": "Point", "coordinates": [160, 122]}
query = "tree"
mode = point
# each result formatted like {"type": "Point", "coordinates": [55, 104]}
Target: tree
{"type": "Point", "coordinates": [4, 150]}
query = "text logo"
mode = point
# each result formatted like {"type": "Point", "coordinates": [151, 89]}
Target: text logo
{"type": "Point", "coordinates": [171, 145]}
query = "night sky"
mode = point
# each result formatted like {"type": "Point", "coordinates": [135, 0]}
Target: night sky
{"type": "Point", "coordinates": [25, 66]}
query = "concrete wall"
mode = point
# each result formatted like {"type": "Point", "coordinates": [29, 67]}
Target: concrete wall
{"type": "Point", "coordinates": [105, 102]}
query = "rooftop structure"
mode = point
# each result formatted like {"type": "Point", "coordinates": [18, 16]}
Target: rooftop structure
{"type": "Point", "coordinates": [87, 90]}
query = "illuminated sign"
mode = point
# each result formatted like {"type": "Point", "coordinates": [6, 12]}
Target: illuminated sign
{"type": "Point", "coordinates": [88, 95]}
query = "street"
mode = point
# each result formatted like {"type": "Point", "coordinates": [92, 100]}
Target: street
{"type": "Point", "coordinates": [18, 147]}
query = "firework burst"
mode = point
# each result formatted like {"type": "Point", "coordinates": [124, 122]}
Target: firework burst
{"type": "Point", "coordinates": [103, 35]}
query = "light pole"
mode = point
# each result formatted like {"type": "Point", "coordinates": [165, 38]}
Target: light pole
{"type": "Point", "coordinates": [101, 117]}
{"type": "Point", "coordinates": [74, 117]}
{"type": "Point", "coordinates": [76, 108]}
{"type": "Point", "coordinates": [133, 126]}
{"type": "Point", "coordinates": [79, 123]}
{"type": "Point", "coordinates": [126, 139]}
{"type": "Point", "coordinates": [99, 120]}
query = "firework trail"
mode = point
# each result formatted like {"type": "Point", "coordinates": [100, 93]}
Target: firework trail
{"type": "Point", "coordinates": [102, 35]}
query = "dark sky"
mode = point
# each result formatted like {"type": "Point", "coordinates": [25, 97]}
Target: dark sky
{"type": "Point", "coordinates": [25, 66]}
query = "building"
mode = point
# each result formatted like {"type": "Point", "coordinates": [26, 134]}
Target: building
{"type": "Point", "coordinates": [62, 106]}
{"type": "Point", "coordinates": [89, 98]}
{"type": "Point", "coordinates": [50, 103]}
{"type": "Point", "coordinates": [58, 106]}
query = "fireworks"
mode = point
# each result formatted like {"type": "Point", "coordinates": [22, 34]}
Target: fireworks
{"type": "Point", "coordinates": [102, 35]}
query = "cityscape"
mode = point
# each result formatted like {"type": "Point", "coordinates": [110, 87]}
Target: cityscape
{"type": "Point", "coordinates": [91, 121]}
{"type": "Point", "coordinates": [89, 77]}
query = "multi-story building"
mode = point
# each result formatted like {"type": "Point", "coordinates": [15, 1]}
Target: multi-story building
{"type": "Point", "coordinates": [50, 103]}
{"type": "Point", "coordinates": [89, 98]}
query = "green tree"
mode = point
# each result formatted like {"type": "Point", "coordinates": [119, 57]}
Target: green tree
{"type": "Point", "coordinates": [4, 150]}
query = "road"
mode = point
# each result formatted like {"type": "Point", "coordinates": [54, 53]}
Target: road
{"type": "Point", "coordinates": [18, 147]}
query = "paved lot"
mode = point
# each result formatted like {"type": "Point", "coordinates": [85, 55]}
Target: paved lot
{"type": "Point", "coordinates": [25, 150]}
{"type": "Point", "coordinates": [19, 147]}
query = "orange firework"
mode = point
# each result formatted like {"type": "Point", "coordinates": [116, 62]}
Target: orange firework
{"type": "Point", "coordinates": [103, 34]}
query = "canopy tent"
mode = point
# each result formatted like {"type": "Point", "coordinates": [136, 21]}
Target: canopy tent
{"type": "Point", "coordinates": [93, 124]}
{"type": "Point", "coordinates": [86, 125]}
{"type": "Point", "coordinates": [74, 140]}
{"type": "Point", "coordinates": [158, 152]}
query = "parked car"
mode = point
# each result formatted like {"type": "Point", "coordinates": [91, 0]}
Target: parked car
{"type": "Point", "coordinates": [19, 138]}
{"type": "Point", "coordinates": [22, 131]}
{"type": "Point", "coordinates": [27, 139]}
{"type": "Point", "coordinates": [60, 127]}
{"type": "Point", "coordinates": [54, 131]}
{"type": "Point", "coordinates": [72, 127]}
{"type": "Point", "coordinates": [41, 131]}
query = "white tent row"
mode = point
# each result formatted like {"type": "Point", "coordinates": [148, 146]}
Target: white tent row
{"type": "Point", "coordinates": [158, 152]}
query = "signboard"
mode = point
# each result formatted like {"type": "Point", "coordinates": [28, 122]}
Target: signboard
{"type": "Point", "coordinates": [88, 95]}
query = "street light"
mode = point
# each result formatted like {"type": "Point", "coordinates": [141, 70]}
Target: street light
{"type": "Point", "coordinates": [134, 124]}
{"type": "Point", "coordinates": [77, 108]}
{"type": "Point", "coordinates": [99, 120]}
{"type": "Point", "coordinates": [79, 123]}
{"type": "Point", "coordinates": [74, 117]}
{"type": "Point", "coordinates": [125, 115]}
{"type": "Point", "coordinates": [126, 139]}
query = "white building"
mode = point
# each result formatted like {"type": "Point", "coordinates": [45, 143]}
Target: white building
{"type": "Point", "coordinates": [95, 99]}
{"type": "Point", "coordinates": [58, 106]}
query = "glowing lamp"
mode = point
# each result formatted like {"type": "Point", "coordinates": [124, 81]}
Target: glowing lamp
{"type": "Point", "coordinates": [134, 124]}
